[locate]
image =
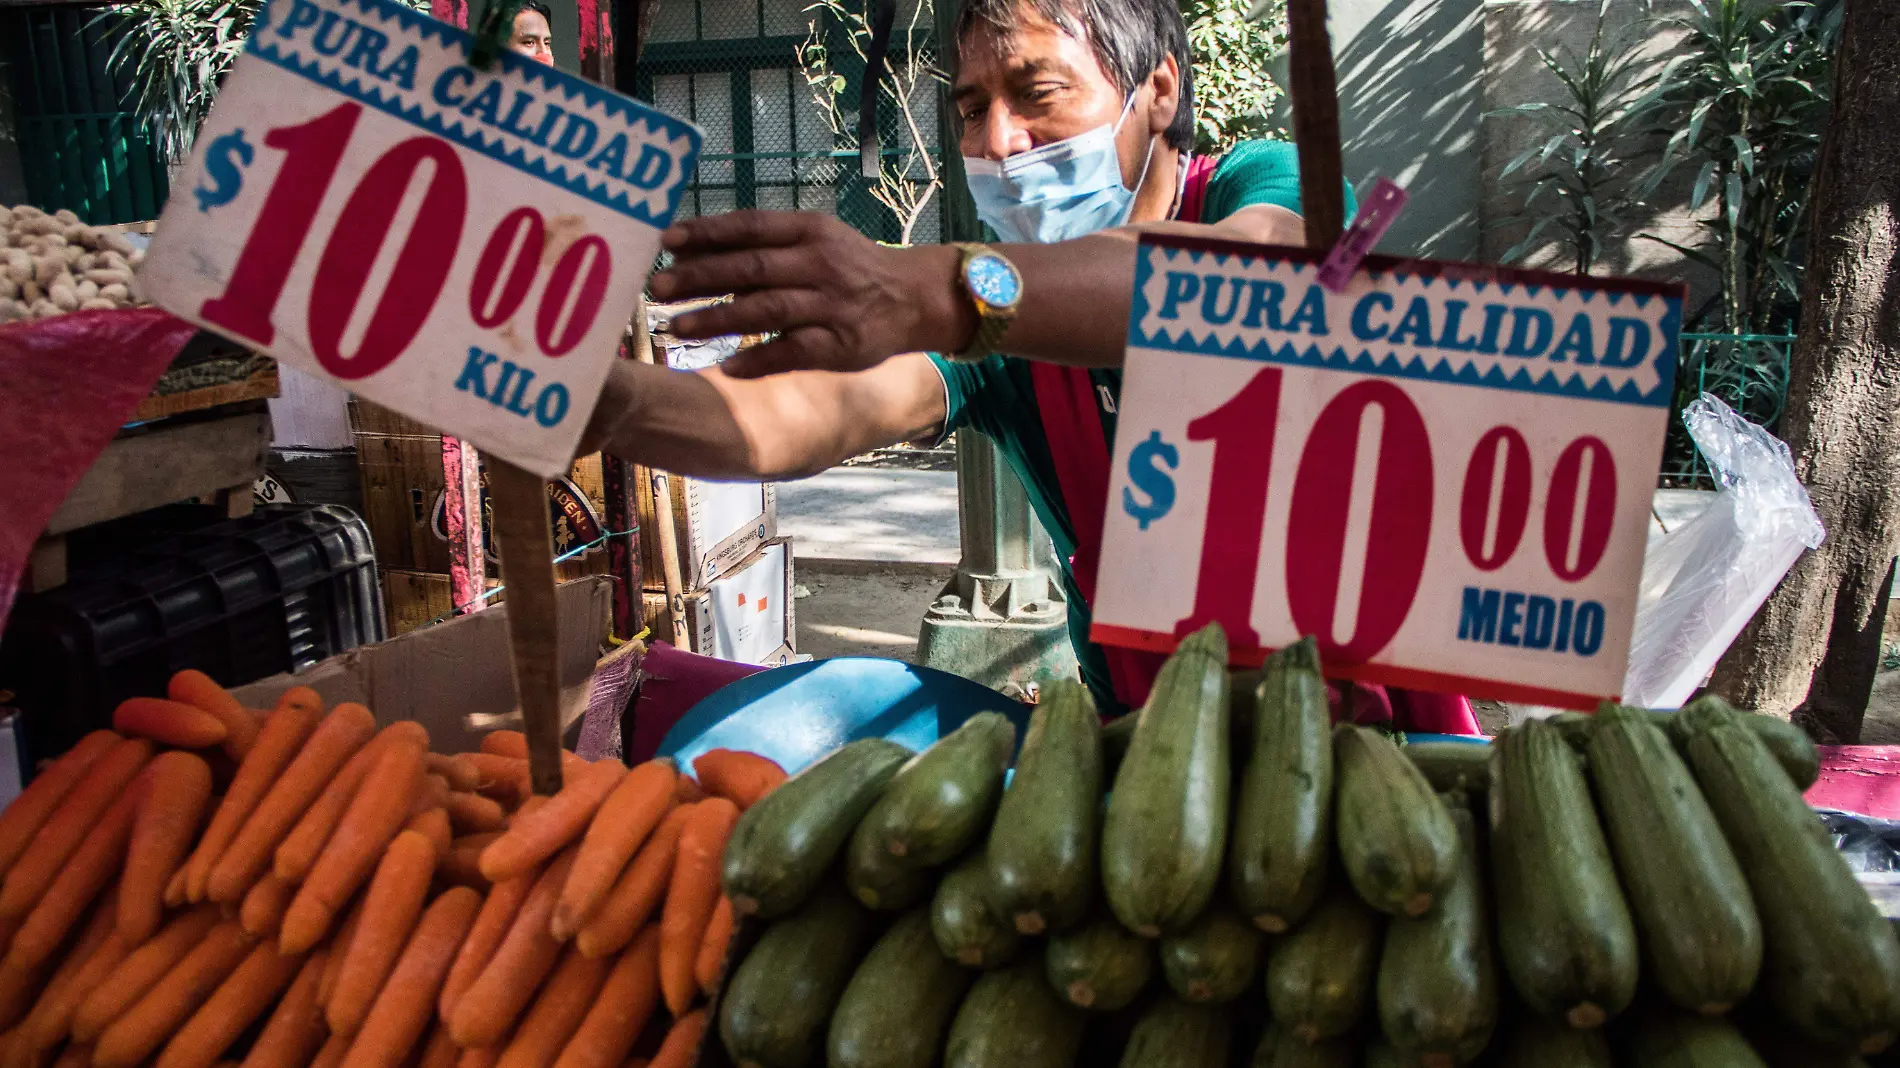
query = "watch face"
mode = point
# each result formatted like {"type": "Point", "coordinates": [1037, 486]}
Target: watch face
{"type": "Point", "coordinates": [993, 280]}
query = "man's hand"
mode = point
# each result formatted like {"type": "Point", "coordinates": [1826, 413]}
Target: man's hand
{"type": "Point", "coordinates": [837, 300]}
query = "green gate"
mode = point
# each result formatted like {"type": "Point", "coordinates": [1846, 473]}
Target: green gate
{"type": "Point", "coordinates": [81, 145]}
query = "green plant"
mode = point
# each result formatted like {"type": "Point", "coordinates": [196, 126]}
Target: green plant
{"type": "Point", "coordinates": [1577, 180]}
{"type": "Point", "coordinates": [908, 178]}
{"type": "Point", "coordinates": [1233, 48]}
{"type": "Point", "coordinates": [175, 53]}
{"type": "Point", "coordinates": [1752, 90]}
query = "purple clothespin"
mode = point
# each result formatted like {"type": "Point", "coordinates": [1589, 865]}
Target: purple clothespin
{"type": "Point", "coordinates": [1382, 205]}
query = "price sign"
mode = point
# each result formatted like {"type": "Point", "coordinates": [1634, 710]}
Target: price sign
{"type": "Point", "coordinates": [462, 246]}
{"type": "Point", "coordinates": [1442, 470]}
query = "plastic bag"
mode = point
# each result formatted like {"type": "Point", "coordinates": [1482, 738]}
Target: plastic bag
{"type": "Point", "coordinates": [1703, 581]}
{"type": "Point", "coordinates": [1867, 844]}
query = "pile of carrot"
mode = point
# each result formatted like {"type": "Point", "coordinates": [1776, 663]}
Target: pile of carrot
{"type": "Point", "coordinates": [206, 885]}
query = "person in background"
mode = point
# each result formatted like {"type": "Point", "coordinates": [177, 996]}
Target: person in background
{"type": "Point", "coordinates": [1077, 128]}
{"type": "Point", "coordinates": [533, 34]}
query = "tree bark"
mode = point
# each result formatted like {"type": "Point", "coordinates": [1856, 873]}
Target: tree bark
{"type": "Point", "coordinates": [1815, 646]}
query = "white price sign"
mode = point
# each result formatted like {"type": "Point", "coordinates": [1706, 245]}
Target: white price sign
{"type": "Point", "coordinates": [462, 246]}
{"type": "Point", "coordinates": [1443, 472]}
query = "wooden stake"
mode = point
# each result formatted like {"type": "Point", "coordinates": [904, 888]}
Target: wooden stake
{"type": "Point", "coordinates": [1316, 123]}
{"type": "Point", "coordinates": [671, 574]}
{"type": "Point", "coordinates": [534, 637]}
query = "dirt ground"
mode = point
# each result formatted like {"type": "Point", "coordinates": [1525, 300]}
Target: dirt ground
{"type": "Point", "coordinates": [860, 608]}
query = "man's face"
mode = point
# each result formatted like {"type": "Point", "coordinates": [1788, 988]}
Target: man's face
{"type": "Point", "coordinates": [1023, 89]}
{"type": "Point", "coordinates": [533, 38]}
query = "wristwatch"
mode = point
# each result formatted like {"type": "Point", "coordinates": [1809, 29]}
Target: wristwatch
{"type": "Point", "coordinates": [995, 288]}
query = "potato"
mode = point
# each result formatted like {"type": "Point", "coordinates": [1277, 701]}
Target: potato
{"type": "Point", "coordinates": [109, 277]}
{"type": "Point", "coordinates": [118, 293]}
{"type": "Point", "coordinates": [87, 290]}
{"type": "Point", "coordinates": [44, 309]}
{"type": "Point", "coordinates": [49, 270]}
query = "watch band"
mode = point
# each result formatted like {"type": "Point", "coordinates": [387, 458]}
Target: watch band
{"type": "Point", "coordinates": [992, 320]}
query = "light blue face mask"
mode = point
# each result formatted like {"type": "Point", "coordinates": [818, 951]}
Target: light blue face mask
{"type": "Point", "coordinates": [1065, 189]}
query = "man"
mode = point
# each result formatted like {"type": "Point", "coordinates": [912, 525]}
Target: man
{"type": "Point", "coordinates": [533, 34]}
{"type": "Point", "coordinates": [1077, 121]}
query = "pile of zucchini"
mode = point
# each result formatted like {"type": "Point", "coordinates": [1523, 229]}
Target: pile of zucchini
{"type": "Point", "coordinates": [1225, 878]}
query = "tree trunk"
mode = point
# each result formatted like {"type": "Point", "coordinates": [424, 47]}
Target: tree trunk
{"type": "Point", "coordinates": [1815, 646]}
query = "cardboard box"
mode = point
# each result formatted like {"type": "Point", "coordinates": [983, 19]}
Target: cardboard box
{"type": "Point", "coordinates": [456, 679]}
{"type": "Point", "coordinates": [718, 525]}
{"type": "Point", "coordinates": [747, 616]}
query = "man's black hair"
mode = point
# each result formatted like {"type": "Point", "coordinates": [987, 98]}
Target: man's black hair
{"type": "Point", "coordinates": [1129, 38]}
{"type": "Point", "coordinates": [538, 7]}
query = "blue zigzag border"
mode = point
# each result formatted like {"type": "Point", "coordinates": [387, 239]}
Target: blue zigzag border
{"type": "Point", "coordinates": [1392, 365]}
{"type": "Point", "coordinates": [596, 99]}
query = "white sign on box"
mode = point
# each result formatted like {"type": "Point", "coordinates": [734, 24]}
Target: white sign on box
{"type": "Point", "coordinates": [1443, 472]}
{"type": "Point", "coordinates": [462, 246]}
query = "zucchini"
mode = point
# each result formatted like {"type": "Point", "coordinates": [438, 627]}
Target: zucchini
{"type": "Point", "coordinates": [879, 880]}
{"type": "Point", "coordinates": [1701, 941]}
{"type": "Point", "coordinates": [1543, 1043]}
{"type": "Point", "coordinates": [1383, 1054]}
{"type": "Point", "coordinates": [1663, 1039]}
{"type": "Point", "coordinates": [1098, 965]}
{"type": "Point", "coordinates": [1790, 745]}
{"type": "Point", "coordinates": [1568, 943]}
{"type": "Point", "coordinates": [899, 1003]}
{"type": "Point", "coordinates": [1438, 986]}
{"type": "Point", "coordinates": [967, 929]}
{"type": "Point", "coordinates": [1320, 975]}
{"type": "Point", "coordinates": [940, 802]}
{"type": "Point", "coordinates": [1011, 1019]}
{"type": "Point", "coordinates": [1280, 1048]}
{"type": "Point", "coordinates": [783, 845]}
{"type": "Point", "coordinates": [1043, 846]}
{"type": "Point", "coordinates": [1164, 837]}
{"type": "Point", "coordinates": [1180, 1034]}
{"type": "Point", "coordinates": [1116, 734]}
{"type": "Point", "coordinates": [1283, 828]}
{"type": "Point", "coordinates": [1452, 766]}
{"type": "Point", "coordinates": [1214, 959]}
{"type": "Point", "coordinates": [1396, 840]}
{"type": "Point", "coordinates": [1780, 1047]}
{"type": "Point", "coordinates": [1830, 963]}
{"type": "Point", "coordinates": [773, 1012]}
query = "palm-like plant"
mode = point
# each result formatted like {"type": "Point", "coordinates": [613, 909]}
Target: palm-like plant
{"type": "Point", "coordinates": [1754, 86]}
{"type": "Point", "coordinates": [1577, 180]}
{"type": "Point", "coordinates": [175, 53]}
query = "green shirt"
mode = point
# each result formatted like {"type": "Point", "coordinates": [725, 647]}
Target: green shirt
{"type": "Point", "coordinates": [997, 398]}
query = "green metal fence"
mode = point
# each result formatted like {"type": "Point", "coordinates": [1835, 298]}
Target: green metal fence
{"type": "Point", "coordinates": [81, 145]}
{"type": "Point", "coordinates": [1748, 371]}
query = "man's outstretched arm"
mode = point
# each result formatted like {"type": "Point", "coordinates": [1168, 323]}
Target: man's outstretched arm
{"type": "Point", "coordinates": [712, 425]}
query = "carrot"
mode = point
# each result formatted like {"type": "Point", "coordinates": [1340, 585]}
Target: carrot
{"type": "Point", "coordinates": [739, 777]}
{"type": "Point", "coordinates": [550, 828]}
{"type": "Point", "coordinates": [168, 723]}
{"type": "Point", "coordinates": [434, 792]}
{"type": "Point", "coordinates": [374, 817]}
{"type": "Point", "coordinates": [99, 929]}
{"type": "Point", "coordinates": [621, 1012]}
{"type": "Point", "coordinates": [503, 778]}
{"type": "Point", "coordinates": [262, 913]}
{"type": "Point", "coordinates": [339, 947]}
{"type": "Point", "coordinates": [391, 907]}
{"type": "Point", "coordinates": [712, 948]}
{"type": "Point", "coordinates": [434, 825]}
{"type": "Point", "coordinates": [86, 874]}
{"type": "Point", "coordinates": [403, 1009]}
{"type": "Point", "coordinates": [298, 851]}
{"type": "Point", "coordinates": [158, 1015]}
{"type": "Point", "coordinates": [463, 865]}
{"type": "Point", "coordinates": [498, 913]}
{"type": "Point", "coordinates": [175, 791]}
{"type": "Point", "coordinates": [460, 773]}
{"type": "Point", "coordinates": [688, 791]}
{"type": "Point", "coordinates": [139, 972]}
{"type": "Point", "coordinates": [330, 746]}
{"type": "Point", "coordinates": [556, 1013]}
{"type": "Point", "coordinates": [332, 1053]}
{"type": "Point", "coordinates": [175, 889]}
{"type": "Point", "coordinates": [506, 743]}
{"type": "Point", "coordinates": [691, 897]}
{"type": "Point", "coordinates": [52, 1019]}
{"type": "Point", "coordinates": [471, 813]}
{"type": "Point", "coordinates": [485, 1057]}
{"type": "Point", "coordinates": [18, 986]}
{"type": "Point", "coordinates": [489, 1007]}
{"type": "Point", "coordinates": [638, 892]}
{"type": "Point", "coordinates": [22, 819]}
{"type": "Point", "coordinates": [682, 1041]}
{"type": "Point", "coordinates": [283, 735]}
{"type": "Point", "coordinates": [295, 1029]}
{"type": "Point", "coordinates": [56, 840]}
{"type": "Point", "coordinates": [439, 1050]}
{"type": "Point", "coordinates": [196, 689]}
{"type": "Point", "coordinates": [642, 798]}
{"type": "Point", "coordinates": [76, 1056]}
{"type": "Point", "coordinates": [239, 1001]}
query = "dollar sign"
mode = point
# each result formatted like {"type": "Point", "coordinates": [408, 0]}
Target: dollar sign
{"type": "Point", "coordinates": [220, 168]}
{"type": "Point", "coordinates": [1144, 470]}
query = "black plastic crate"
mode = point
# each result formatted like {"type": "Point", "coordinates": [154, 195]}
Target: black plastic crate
{"type": "Point", "coordinates": [240, 600]}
